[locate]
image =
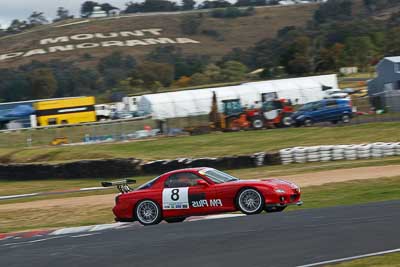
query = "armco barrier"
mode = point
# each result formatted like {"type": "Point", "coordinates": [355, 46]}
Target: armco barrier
{"type": "Point", "coordinates": [106, 168]}
{"type": "Point", "coordinates": [338, 152]}
{"type": "Point", "coordinates": [231, 162]}
{"type": "Point", "coordinates": [121, 168]}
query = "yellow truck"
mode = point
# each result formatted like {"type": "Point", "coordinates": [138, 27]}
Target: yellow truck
{"type": "Point", "coordinates": [65, 111]}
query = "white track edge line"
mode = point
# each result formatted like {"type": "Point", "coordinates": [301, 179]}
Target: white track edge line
{"type": "Point", "coordinates": [351, 258]}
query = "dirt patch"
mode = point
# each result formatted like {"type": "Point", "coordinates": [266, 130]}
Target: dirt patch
{"type": "Point", "coordinates": [303, 180]}
{"type": "Point", "coordinates": [87, 201]}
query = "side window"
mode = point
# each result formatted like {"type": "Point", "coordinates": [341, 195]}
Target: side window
{"type": "Point", "coordinates": [331, 103]}
{"type": "Point", "coordinates": [183, 179]}
{"type": "Point", "coordinates": [317, 106]}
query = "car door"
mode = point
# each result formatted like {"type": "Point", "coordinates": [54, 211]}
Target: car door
{"type": "Point", "coordinates": [317, 113]}
{"type": "Point", "coordinates": [183, 196]}
{"type": "Point", "coordinates": [332, 108]}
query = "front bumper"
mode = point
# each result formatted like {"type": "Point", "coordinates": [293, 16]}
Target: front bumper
{"type": "Point", "coordinates": [270, 205]}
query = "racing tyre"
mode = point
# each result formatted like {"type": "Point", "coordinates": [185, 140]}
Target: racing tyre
{"type": "Point", "coordinates": [308, 122]}
{"type": "Point", "coordinates": [345, 118]}
{"type": "Point", "coordinates": [275, 209]}
{"type": "Point", "coordinates": [147, 212]}
{"type": "Point", "coordinates": [175, 220]}
{"type": "Point", "coordinates": [250, 201]}
{"type": "Point", "coordinates": [257, 123]}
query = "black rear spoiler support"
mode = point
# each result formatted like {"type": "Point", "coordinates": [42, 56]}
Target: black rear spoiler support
{"type": "Point", "coordinates": [122, 185]}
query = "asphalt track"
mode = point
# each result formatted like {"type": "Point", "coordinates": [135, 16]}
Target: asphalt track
{"type": "Point", "coordinates": [282, 239]}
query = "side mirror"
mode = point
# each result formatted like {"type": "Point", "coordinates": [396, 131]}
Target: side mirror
{"type": "Point", "coordinates": [202, 183]}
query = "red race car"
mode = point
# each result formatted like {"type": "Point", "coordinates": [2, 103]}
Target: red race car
{"type": "Point", "coordinates": [176, 195]}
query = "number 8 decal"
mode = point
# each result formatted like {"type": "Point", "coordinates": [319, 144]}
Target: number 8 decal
{"type": "Point", "coordinates": [175, 194]}
{"type": "Point", "coordinates": [175, 198]}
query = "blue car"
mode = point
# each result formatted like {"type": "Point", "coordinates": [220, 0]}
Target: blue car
{"type": "Point", "coordinates": [333, 110]}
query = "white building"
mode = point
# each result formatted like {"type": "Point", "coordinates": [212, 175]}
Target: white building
{"type": "Point", "coordinates": [98, 13]}
{"type": "Point", "coordinates": [198, 102]}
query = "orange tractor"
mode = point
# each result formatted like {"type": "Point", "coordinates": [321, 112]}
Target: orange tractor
{"type": "Point", "coordinates": [273, 113]}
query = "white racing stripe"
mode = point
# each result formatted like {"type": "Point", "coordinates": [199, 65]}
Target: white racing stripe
{"type": "Point", "coordinates": [351, 258]}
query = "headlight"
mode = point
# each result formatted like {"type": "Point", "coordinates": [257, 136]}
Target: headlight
{"type": "Point", "coordinates": [280, 191]}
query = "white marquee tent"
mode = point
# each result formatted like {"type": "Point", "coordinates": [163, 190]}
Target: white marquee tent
{"type": "Point", "coordinates": [198, 102]}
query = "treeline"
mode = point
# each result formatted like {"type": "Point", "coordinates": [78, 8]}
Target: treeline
{"type": "Point", "coordinates": [115, 75]}
{"type": "Point", "coordinates": [335, 38]}
{"type": "Point", "coordinates": [331, 40]}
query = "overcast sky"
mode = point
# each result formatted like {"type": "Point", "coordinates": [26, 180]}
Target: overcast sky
{"type": "Point", "coordinates": [21, 9]}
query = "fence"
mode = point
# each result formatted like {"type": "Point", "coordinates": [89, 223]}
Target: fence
{"type": "Point", "coordinates": [384, 109]}
{"type": "Point", "coordinates": [96, 132]}
{"type": "Point", "coordinates": [111, 131]}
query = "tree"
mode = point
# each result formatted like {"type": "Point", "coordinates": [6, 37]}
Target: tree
{"type": "Point", "coordinates": [332, 58]}
{"type": "Point", "coordinates": [188, 4]}
{"type": "Point", "coordinates": [107, 7]}
{"type": "Point", "coordinates": [151, 6]}
{"type": "Point", "coordinates": [214, 4]}
{"type": "Point", "coordinates": [360, 51]}
{"type": "Point", "coordinates": [152, 75]}
{"type": "Point", "coordinates": [14, 85]}
{"type": "Point", "coordinates": [2, 31]}
{"type": "Point", "coordinates": [37, 18]}
{"type": "Point", "coordinates": [199, 79]}
{"type": "Point", "coordinates": [115, 67]}
{"type": "Point", "coordinates": [392, 47]}
{"type": "Point", "coordinates": [17, 26]}
{"type": "Point", "coordinates": [43, 83]}
{"type": "Point", "coordinates": [63, 14]}
{"type": "Point", "coordinates": [184, 65]}
{"type": "Point", "coordinates": [298, 56]}
{"type": "Point", "coordinates": [333, 10]}
{"type": "Point", "coordinates": [251, 3]}
{"type": "Point", "coordinates": [233, 71]}
{"type": "Point", "coordinates": [87, 8]}
{"type": "Point", "coordinates": [213, 73]}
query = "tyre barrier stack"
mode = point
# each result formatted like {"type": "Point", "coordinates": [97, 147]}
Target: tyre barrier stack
{"type": "Point", "coordinates": [327, 153]}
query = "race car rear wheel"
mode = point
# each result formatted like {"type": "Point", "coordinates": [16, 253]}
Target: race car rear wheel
{"type": "Point", "coordinates": [250, 201]}
{"type": "Point", "coordinates": [175, 220]}
{"type": "Point", "coordinates": [148, 212]}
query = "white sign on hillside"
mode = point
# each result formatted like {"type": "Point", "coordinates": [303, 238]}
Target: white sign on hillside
{"type": "Point", "coordinates": [96, 40]}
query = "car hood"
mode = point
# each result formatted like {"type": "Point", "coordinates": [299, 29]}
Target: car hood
{"type": "Point", "coordinates": [272, 183]}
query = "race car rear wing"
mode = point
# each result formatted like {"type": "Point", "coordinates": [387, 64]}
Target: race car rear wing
{"type": "Point", "coordinates": [122, 185]}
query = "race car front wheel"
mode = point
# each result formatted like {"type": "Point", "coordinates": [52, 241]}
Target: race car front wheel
{"type": "Point", "coordinates": [250, 201]}
{"type": "Point", "coordinates": [148, 212]}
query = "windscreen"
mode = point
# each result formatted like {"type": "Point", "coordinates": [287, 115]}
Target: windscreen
{"type": "Point", "coordinates": [308, 106]}
{"type": "Point", "coordinates": [218, 177]}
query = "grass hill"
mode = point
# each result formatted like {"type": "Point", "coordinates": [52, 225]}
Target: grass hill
{"type": "Point", "coordinates": [216, 36]}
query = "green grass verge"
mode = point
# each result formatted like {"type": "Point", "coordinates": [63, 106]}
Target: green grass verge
{"type": "Point", "coordinates": [215, 144]}
{"type": "Point", "coordinates": [347, 193]}
{"type": "Point", "coordinates": [388, 260]}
